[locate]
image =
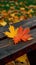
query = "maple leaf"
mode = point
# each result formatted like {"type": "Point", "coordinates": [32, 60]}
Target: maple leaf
{"type": "Point", "coordinates": [12, 32]}
{"type": "Point", "coordinates": [22, 34]}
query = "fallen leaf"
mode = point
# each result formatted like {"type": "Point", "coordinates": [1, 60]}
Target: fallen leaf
{"type": "Point", "coordinates": [12, 32]}
{"type": "Point", "coordinates": [2, 23]}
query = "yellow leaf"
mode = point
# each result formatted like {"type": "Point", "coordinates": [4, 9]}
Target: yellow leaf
{"type": "Point", "coordinates": [3, 23]}
{"type": "Point", "coordinates": [22, 58]}
{"type": "Point", "coordinates": [12, 33]}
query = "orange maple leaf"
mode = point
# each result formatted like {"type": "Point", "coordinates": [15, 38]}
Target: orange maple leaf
{"type": "Point", "coordinates": [22, 34]}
